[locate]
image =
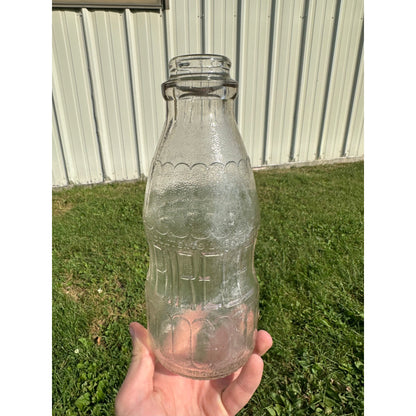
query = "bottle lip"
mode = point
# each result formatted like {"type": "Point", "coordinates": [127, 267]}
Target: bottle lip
{"type": "Point", "coordinates": [199, 65]}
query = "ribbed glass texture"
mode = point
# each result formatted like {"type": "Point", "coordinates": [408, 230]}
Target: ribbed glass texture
{"type": "Point", "coordinates": [201, 218]}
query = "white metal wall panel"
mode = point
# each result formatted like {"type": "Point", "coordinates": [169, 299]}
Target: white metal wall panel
{"type": "Point", "coordinates": [289, 21]}
{"type": "Point", "coordinates": [319, 32]}
{"type": "Point", "coordinates": [255, 26]}
{"type": "Point", "coordinates": [111, 89]}
{"type": "Point", "coordinates": [72, 98]}
{"type": "Point", "coordinates": [184, 27]}
{"type": "Point", "coordinates": [58, 164]}
{"type": "Point", "coordinates": [355, 137]}
{"type": "Point", "coordinates": [342, 76]}
{"type": "Point", "coordinates": [299, 64]}
{"type": "Point", "coordinates": [148, 69]}
{"type": "Point", "coordinates": [221, 30]}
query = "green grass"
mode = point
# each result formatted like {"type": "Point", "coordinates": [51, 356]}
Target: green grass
{"type": "Point", "coordinates": [309, 260]}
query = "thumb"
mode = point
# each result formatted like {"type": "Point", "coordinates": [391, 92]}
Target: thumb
{"type": "Point", "coordinates": [139, 379]}
{"type": "Point", "coordinates": [141, 344]}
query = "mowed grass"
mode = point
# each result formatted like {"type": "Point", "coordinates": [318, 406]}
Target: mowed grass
{"type": "Point", "coordinates": [309, 262]}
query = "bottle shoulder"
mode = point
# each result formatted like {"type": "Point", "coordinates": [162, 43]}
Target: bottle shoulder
{"type": "Point", "coordinates": [204, 144]}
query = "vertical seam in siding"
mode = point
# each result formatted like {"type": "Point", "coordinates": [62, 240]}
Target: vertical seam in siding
{"type": "Point", "coordinates": [187, 29]}
{"type": "Point", "coordinates": [353, 91]}
{"type": "Point", "coordinates": [152, 68]}
{"type": "Point", "coordinates": [316, 91]}
{"type": "Point", "coordinates": [256, 98]}
{"type": "Point", "coordinates": [78, 100]}
{"type": "Point", "coordinates": [106, 94]}
{"type": "Point", "coordinates": [61, 149]}
{"type": "Point", "coordinates": [127, 26]}
{"type": "Point", "coordinates": [165, 45]}
{"type": "Point", "coordinates": [328, 79]}
{"type": "Point", "coordinates": [202, 15]}
{"type": "Point", "coordinates": [238, 48]}
{"type": "Point", "coordinates": [223, 26]}
{"type": "Point", "coordinates": [60, 105]}
{"type": "Point", "coordinates": [93, 99]}
{"type": "Point", "coordinates": [305, 12]}
{"type": "Point", "coordinates": [268, 81]}
{"type": "Point", "coordinates": [305, 122]}
{"type": "Point", "coordinates": [348, 32]}
{"type": "Point", "coordinates": [361, 138]}
{"type": "Point", "coordinates": [117, 99]}
{"type": "Point", "coordinates": [287, 83]}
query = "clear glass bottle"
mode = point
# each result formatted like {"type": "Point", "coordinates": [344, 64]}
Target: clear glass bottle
{"type": "Point", "coordinates": [201, 218]}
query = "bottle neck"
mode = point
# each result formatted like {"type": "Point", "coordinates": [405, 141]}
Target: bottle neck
{"type": "Point", "coordinates": [199, 89]}
{"type": "Point", "coordinates": [200, 110]}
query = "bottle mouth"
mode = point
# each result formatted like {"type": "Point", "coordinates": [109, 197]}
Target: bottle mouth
{"type": "Point", "coordinates": [199, 65]}
{"type": "Point", "coordinates": [199, 75]}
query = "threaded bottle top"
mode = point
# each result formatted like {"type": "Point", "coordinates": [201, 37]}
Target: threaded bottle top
{"type": "Point", "coordinates": [199, 75]}
{"type": "Point", "coordinates": [200, 66]}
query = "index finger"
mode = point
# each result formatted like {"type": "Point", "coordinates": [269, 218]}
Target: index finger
{"type": "Point", "coordinates": [239, 392]}
{"type": "Point", "coordinates": [264, 342]}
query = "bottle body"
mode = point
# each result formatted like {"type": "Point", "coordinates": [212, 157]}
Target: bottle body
{"type": "Point", "coordinates": [201, 218]}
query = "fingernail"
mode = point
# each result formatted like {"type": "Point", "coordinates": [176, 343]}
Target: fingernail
{"type": "Point", "coordinates": [132, 333]}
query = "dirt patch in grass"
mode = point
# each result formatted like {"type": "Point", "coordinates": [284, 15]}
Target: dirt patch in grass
{"type": "Point", "coordinates": [95, 330]}
{"type": "Point", "coordinates": [73, 291]}
{"type": "Point", "coordinates": [60, 207]}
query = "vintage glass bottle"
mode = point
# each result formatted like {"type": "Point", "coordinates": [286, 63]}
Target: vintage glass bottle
{"type": "Point", "coordinates": [201, 218]}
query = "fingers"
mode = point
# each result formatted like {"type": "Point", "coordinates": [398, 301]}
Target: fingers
{"type": "Point", "coordinates": [142, 364]}
{"type": "Point", "coordinates": [263, 342]}
{"type": "Point", "coordinates": [221, 383]}
{"type": "Point", "coordinates": [239, 392]}
{"type": "Point", "coordinates": [139, 379]}
{"type": "Point", "coordinates": [140, 339]}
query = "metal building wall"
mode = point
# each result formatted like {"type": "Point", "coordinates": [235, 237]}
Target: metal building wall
{"type": "Point", "coordinates": [299, 64]}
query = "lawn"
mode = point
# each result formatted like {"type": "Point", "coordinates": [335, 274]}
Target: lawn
{"type": "Point", "coordinates": [309, 262]}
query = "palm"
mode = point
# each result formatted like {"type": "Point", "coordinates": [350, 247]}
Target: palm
{"type": "Point", "coordinates": [149, 389]}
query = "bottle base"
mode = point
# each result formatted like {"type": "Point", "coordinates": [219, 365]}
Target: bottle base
{"type": "Point", "coordinates": [203, 373]}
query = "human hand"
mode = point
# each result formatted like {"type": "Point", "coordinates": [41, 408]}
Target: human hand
{"type": "Point", "coordinates": [151, 390]}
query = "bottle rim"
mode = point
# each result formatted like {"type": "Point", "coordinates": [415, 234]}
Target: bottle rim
{"type": "Point", "coordinates": [199, 65]}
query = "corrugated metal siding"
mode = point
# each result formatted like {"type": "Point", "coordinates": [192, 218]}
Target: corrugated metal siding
{"type": "Point", "coordinates": [73, 99]}
{"type": "Point", "coordinates": [355, 132]}
{"type": "Point", "coordinates": [342, 75]}
{"type": "Point", "coordinates": [149, 70]}
{"type": "Point", "coordinates": [285, 71]}
{"type": "Point", "coordinates": [299, 64]}
{"type": "Point", "coordinates": [109, 66]}
{"type": "Point", "coordinates": [184, 27]}
{"type": "Point", "coordinates": [254, 51]}
{"type": "Point", "coordinates": [59, 175]}
{"type": "Point", "coordinates": [221, 30]}
{"type": "Point", "coordinates": [318, 29]}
